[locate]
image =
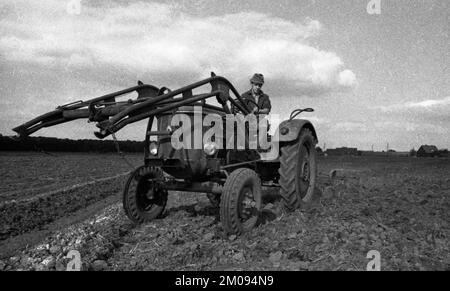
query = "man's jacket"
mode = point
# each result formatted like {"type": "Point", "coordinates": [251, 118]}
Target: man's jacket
{"type": "Point", "coordinates": [263, 100]}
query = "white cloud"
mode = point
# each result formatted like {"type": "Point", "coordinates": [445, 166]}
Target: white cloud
{"type": "Point", "coordinates": [159, 39]}
{"type": "Point", "coordinates": [426, 111]}
{"type": "Point", "coordinates": [347, 78]}
{"type": "Point", "coordinates": [430, 104]}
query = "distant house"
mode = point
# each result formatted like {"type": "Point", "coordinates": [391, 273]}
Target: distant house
{"type": "Point", "coordinates": [427, 151]}
{"type": "Point", "coordinates": [444, 153]}
{"type": "Point", "coordinates": [342, 151]}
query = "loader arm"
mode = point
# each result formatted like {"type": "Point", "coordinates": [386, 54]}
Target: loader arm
{"type": "Point", "coordinates": [85, 109]}
{"type": "Point", "coordinates": [111, 115]}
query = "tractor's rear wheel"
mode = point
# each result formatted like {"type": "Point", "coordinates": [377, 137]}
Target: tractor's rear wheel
{"type": "Point", "coordinates": [143, 199]}
{"type": "Point", "coordinates": [298, 170]}
{"type": "Point", "coordinates": [240, 202]}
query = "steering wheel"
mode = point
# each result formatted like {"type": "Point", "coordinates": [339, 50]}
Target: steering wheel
{"type": "Point", "coordinates": [256, 104]}
{"type": "Point", "coordinates": [236, 109]}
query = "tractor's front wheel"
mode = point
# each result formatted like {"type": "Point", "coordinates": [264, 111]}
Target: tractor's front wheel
{"type": "Point", "coordinates": [240, 202]}
{"type": "Point", "coordinates": [143, 198]}
{"type": "Point", "coordinates": [298, 170]}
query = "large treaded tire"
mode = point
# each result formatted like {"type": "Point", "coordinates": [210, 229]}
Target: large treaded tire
{"type": "Point", "coordinates": [231, 201]}
{"type": "Point", "coordinates": [136, 204]}
{"type": "Point", "coordinates": [294, 190]}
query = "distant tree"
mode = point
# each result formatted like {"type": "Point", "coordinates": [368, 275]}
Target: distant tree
{"type": "Point", "coordinates": [67, 145]}
{"type": "Point", "coordinates": [412, 152]}
{"type": "Point", "coordinates": [319, 150]}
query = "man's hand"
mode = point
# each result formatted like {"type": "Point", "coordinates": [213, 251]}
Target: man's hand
{"type": "Point", "coordinates": [255, 110]}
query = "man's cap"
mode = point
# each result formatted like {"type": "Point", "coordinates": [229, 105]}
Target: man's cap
{"type": "Point", "coordinates": [257, 79]}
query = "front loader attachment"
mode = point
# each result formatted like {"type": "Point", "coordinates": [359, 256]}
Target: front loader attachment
{"type": "Point", "coordinates": [87, 109]}
{"type": "Point", "coordinates": [112, 115]}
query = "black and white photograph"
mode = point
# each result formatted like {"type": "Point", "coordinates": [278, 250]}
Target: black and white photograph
{"type": "Point", "coordinates": [217, 136]}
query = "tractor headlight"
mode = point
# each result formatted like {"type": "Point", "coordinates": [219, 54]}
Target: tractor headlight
{"type": "Point", "coordinates": [153, 148]}
{"type": "Point", "coordinates": [284, 130]}
{"type": "Point", "coordinates": [210, 148]}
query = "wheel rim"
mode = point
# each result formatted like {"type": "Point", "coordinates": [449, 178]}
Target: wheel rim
{"type": "Point", "coordinates": [305, 168]}
{"type": "Point", "coordinates": [247, 210]}
{"type": "Point", "coordinates": [146, 195]}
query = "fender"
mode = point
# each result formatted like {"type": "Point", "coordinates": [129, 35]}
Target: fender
{"type": "Point", "coordinates": [289, 130]}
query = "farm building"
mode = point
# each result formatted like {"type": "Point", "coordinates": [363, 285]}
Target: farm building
{"type": "Point", "coordinates": [427, 151]}
{"type": "Point", "coordinates": [342, 151]}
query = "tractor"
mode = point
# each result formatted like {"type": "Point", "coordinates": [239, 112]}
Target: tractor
{"type": "Point", "coordinates": [231, 177]}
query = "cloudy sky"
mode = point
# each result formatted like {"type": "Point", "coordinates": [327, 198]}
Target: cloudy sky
{"type": "Point", "coordinates": [372, 78]}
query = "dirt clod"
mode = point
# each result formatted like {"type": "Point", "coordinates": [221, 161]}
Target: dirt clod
{"type": "Point", "coordinates": [99, 265]}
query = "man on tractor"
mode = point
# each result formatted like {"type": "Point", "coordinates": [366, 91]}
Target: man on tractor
{"type": "Point", "coordinates": [256, 95]}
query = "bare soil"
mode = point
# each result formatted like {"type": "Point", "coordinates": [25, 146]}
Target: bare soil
{"type": "Point", "coordinates": [397, 206]}
{"type": "Point", "coordinates": [26, 174]}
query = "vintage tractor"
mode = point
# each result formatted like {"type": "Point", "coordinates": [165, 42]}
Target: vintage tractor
{"type": "Point", "coordinates": [231, 177]}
